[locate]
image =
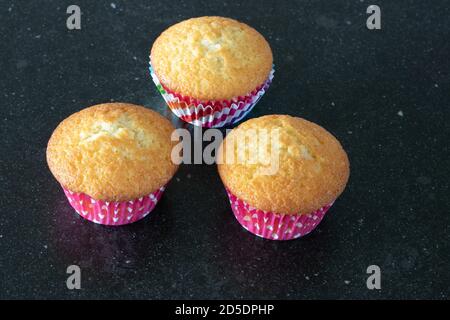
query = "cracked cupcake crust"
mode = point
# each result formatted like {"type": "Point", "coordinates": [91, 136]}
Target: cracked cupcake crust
{"type": "Point", "coordinates": [112, 152]}
{"type": "Point", "coordinates": [310, 172]}
{"type": "Point", "coordinates": [211, 58]}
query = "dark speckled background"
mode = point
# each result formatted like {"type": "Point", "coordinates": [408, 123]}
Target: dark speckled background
{"type": "Point", "coordinates": [384, 94]}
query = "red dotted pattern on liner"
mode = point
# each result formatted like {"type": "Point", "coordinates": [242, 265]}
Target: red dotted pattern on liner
{"type": "Point", "coordinates": [113, 213]}
{"type": "Point", "coordinates": [275, 226]}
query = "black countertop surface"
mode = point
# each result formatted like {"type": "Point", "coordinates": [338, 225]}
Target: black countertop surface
{"type": "Point", "coordinates": [384, 94]}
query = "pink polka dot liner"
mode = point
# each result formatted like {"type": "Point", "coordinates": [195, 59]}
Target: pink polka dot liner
{"type": "Point", "coordinates": [275, 226]}
{"type": "Point", "coordinates": [113, 213]}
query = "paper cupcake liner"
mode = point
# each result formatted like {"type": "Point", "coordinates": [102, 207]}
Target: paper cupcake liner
{"type": "Point", "coordinates": [213, 113]}
{"type": "Point", "coordinates": [275, 226]}
{"type": "Point", "coordinates": [113, 213]}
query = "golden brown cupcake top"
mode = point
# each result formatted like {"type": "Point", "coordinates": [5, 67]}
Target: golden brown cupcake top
{"type": "Point", "coordinates": [310, 169]}
{"type": "Point", "coordinates": [112, 152]}
{"type": "Point", "coordinates": [211, 58]}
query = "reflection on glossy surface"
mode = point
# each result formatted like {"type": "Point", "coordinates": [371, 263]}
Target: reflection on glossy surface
{"type": "Point", "coordinates": [344, 77]}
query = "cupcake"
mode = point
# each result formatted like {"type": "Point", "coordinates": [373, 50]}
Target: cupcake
{"type": "Point", "coordinates": [211, 70]}
{"type": "Point", "coordinates": [113, 161]}
{"type": "Point", "coordinates": [282, 174]}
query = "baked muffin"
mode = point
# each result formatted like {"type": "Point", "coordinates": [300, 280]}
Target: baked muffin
{"type": "Point", "coordinates": [296, 172]}
{"type": "Point", "coordinates": [113, 161]}
{"type": "Point", "coordinates": [211, 70]}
